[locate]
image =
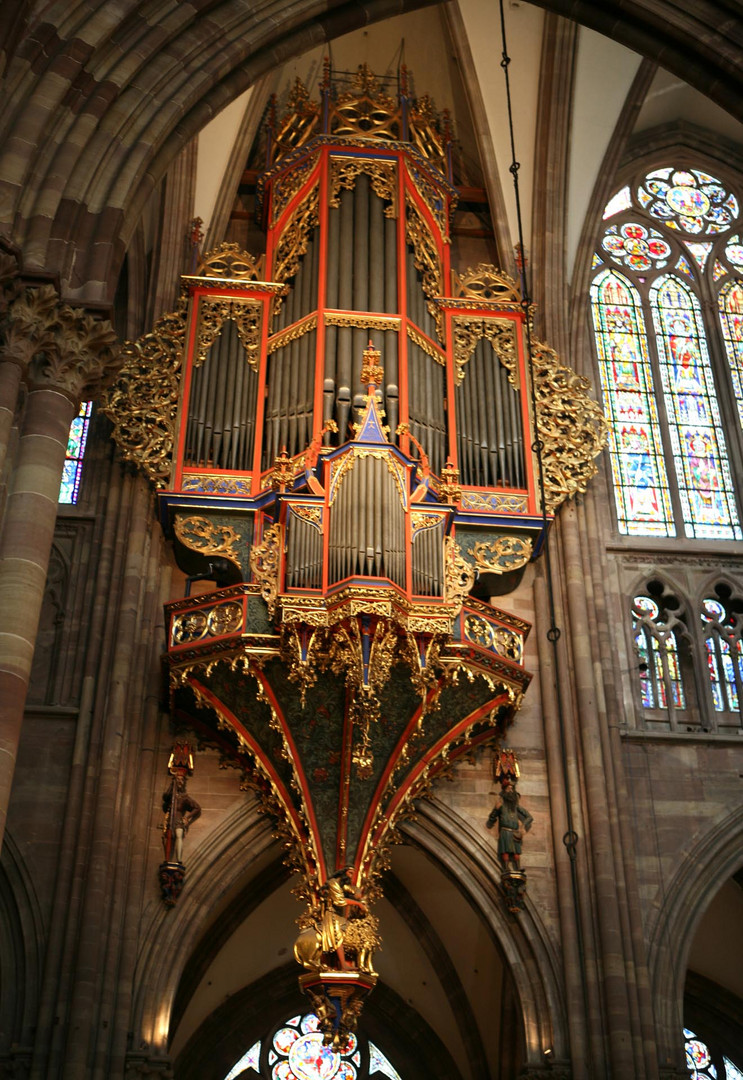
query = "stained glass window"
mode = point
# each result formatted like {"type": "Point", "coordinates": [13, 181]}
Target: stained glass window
{"type": "Point", "coordinates": [698, 1058]}
{"type": "Point", "coordinates": [671, 458]}
{"type": "Point", "coordinates": [635, 246]}
{"type": "Point", "coordinates": [699, 453]}
{"type": "Point", "coordinates": [724, 655]}
{"type": "Point", "coordinates": [640, 480]}
{"type": "Point", "coordinates": [730, 302]}
{"type": "Point", "coordinates": [688, 200]}
{"type": "Point", "coordinates": [296, 1052]}
{"type": "Point", "coordinates": [657, 651]}
{"type": "Point", "coordinates": [732, 1072]}
{"type": "Point", "coordinates": [73, 466]}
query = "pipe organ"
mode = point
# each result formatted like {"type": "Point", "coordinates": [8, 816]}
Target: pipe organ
{"type": "Point", "coordinates": [341, 433]}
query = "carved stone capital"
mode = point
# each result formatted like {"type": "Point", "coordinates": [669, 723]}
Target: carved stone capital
{"type": "Point", "coordinates": [32, 320]}
{"type": "Point", "coordinates": [139, 1066]}
{"type": "Point", "coordinates": [80, 360]}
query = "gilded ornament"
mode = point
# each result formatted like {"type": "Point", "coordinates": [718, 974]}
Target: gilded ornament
{"type": "Point", "coordinates": [216, 483]}
{"type": "Point", "coordinates": [311, 514]}
{"type": "Point", "coordinates": [501, 333]}
{"type": "Point", "coordinates": [459, 576]}
{"type": "Point", "coordinates": [205, 536]}
{"type": "Point", "coordinates": [292, 333]}
{"type": "Point", "coordinates": [570, 425]}
{"type": "Point", "coordinates": [432, 196]}
{"type": "Point", "coordinates": [286, 186]}
{"type": "Point", "coordinates": [230, 262]}
{"type": "Point", "coordinates": [420, 339]}
{"type": "Point", "coordinates": [143, 402]}
{"type": "Point", "coordinates": [475, 502]}
{"type": "Point", "coordinates": [344, 172]}
{"type": "Point", "coordinates": [225, 619]}
{"type": "Point", "coordinates": [294, 239]}
{"type": "Point", "coordinates": [361, 322]}
{"type": "Point", "coordinates": [479, 631]}
{"type": "Point", "coordinates": [365, 110]}
{"type": "Point", "coordinates": [485, 282]}
{"type": "Point", "coordinates": [264, 562]}
{"type": "Point", "coordinates": [191, 626]}
{"type": "Point", "coordinates": [425, 133]}
{"type": "Point", "coordinates": [298, 124]}
{"type": "Point", "coordinates": [508, 644]}
{"type": "Point", "coordinates": [425, 258]}
{"type": "Point", "coordinates": [283, 472]}
{"type": "Point", "coordinates": [422, 522]}
{"type": "Point", "coordinates": [503, 554]}
{"type": "Point", "coordinates": [247, 316]}
{"type": "Point", "coordinates": [450, 490]}
{"type": "Point", "coordinates": [372, 372]}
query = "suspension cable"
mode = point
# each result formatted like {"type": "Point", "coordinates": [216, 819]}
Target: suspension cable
{"type": "Point", "coordinates": [570, 839]}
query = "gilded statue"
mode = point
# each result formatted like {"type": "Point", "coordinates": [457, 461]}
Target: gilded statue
{"type": "Point", "coordinates": [342, 934]}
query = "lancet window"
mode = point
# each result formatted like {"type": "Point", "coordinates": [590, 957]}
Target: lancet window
{"type": "Point", "coordinates": [73, 467]}
{"type": "Point", "coordinates": [657, 651]}
{"type": "Point", "coordinates": [721, 625]}
{"type": "Point", "coordinates": [669, 253]}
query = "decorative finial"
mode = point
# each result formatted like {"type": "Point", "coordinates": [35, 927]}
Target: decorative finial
{"type": "Point", "coordinates": [450, 490]}
{"type": "Point", "coordinates": [372, 371]}
{"type": "Point", "coordinates": [283, 471]}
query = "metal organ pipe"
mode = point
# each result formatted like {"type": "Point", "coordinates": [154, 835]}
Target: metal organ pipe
{"type": "Point", "coordinates": [489, 430]}
{"type": "Point", "coordinates": [367, 524]}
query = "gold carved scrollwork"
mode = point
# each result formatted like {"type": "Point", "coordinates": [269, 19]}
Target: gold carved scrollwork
{"type": "Point", "coordinates": [383, 175]}
{"type": "Point", "coordinates": [264, 562]}
{"type": "Point", "coordinates": [229, 261]}
{"type": "Point", "coordinates": [476, 502]}
{"type": "Point", "coordinates": [432, 196]}
{"type": "Point", "coordinates": [422, 342]}
{"type": "Point", "coordinates": [501, 333]}
{"type": "Point", "coordinates": [287, 185]}
{"type": "Point", "coordinates": [294, 239]}
{"type": "Point", "coordinates": [201, 534]}
{"type": "Point", "coordinates": [479, 631]}
{"type": "Point", "coordinates": [425, 132]}
{"type": "Point", "coordinates": [190, 626]}
{"type": "Point", "coordinates": [361, 322]}
{"type": "Point", "coordinates": [571, 426]}
{"type": "Point", "coordinates": [505, 553]}
{"type": "Point", "coordinates": [143, 401]}
{"type": "Point", "coordinates": [292, 333]}
{"type": "Point", "coordinates": [426, 258]}
{"type": "Point", "coordinates": [459, 576]}
{"type": "Point", "coordinates": [508, 644]}
{"type": "Point", "coordinates": [298, 123]}
{"type": "Point", "coordinates": [485, 282]}
{"type": "Point", "coordinates": [246, 315]}
{"type": "Point", "coordinates": [225, 619]}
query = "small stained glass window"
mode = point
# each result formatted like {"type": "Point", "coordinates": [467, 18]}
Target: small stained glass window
{"type": "Point", "coordinates": [657, 652]}
{"type": "Point", "coordinates": [621, 201]}
{"type": "Point", "coordinates": [734, 252]}
{"type": "Point", "coordinates": [698, 1058]}
{"type": "Point", "coordinates": [73, 466]}
{"type": "Point", "coordinates": [700, 251]}
{"type": "Point", "coordinates": [249, 1060]}
{"type": "Point", "coordinates": [732, 1072]}
{"type": "Point", "coordinates": [724, 656]}
{"type": "Point", "coordinates": [684, 266]}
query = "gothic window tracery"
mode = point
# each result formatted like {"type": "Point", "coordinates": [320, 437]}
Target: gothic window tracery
{"type": "Point", "coordinates": [667, 306]}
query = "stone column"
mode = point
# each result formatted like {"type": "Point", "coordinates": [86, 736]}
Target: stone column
{"type": "Point", "coordinates": [70, 363]}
